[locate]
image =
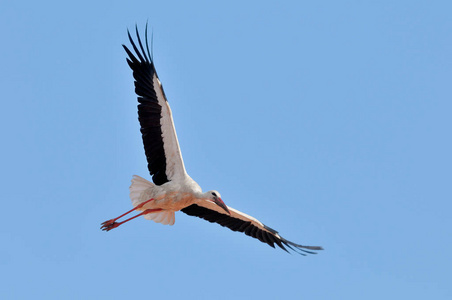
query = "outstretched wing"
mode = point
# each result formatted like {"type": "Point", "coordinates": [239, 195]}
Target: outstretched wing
{"type": "Point", "coordinates": [238, 221]}
{"type": "Point", "coordinates": [157, 128]}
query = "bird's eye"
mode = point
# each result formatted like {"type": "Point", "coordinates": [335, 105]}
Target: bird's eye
{"type": "Point", "coordinates": [213, 193]}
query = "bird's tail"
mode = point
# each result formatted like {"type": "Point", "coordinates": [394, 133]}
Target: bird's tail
{"type": "Point", "coordinates": [137, 188]}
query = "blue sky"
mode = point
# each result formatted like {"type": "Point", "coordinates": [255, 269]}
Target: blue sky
{"type": "Point", "coordinates": [328, 121]}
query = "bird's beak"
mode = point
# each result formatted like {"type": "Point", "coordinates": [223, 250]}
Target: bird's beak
{"type": "Point", "coordinates": [221, 204]}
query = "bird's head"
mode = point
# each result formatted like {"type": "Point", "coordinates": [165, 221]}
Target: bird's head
{"type": "Point", "coordinates": [215, 197]}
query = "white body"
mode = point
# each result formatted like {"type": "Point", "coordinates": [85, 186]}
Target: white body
{"type": "Point", "coordinates": [170, 197]}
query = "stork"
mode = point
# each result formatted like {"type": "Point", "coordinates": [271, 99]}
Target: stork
{"type": "Point", "coordinates": [172, 188]}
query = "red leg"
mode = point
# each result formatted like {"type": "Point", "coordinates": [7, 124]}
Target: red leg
{"type": "Point", "coordinates": [109, 222]}
{"type": "Point", "coordinates": [110, 226]}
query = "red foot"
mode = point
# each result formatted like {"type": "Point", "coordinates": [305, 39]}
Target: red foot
{"type": "Point", "coordinates": [109, 222]}
{"type": "Point", "coordinates": [109, 225]}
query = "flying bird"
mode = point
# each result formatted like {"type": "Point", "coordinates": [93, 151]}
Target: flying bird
{"type": "Point", "coordinates": [172, 188]}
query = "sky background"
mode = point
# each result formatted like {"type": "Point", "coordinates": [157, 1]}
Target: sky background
{"type": "Point", "coordinates": [329, 121]}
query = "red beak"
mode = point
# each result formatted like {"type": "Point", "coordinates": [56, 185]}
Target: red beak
{"type": "Point", "coordinates": [221, 204]}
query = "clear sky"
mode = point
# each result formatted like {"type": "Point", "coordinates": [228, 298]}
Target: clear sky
{"type": "Point", "coordinates": [329, 121]}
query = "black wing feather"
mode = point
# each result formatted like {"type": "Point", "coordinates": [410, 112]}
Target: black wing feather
{"type": "Point", "coordinates": [149, 110]}
{"type": "Point", "coordinates": [268, 236]}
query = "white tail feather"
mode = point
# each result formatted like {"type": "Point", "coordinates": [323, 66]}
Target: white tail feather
{"type": "Point", "coordinates": [137, 188]}
{"type": "Point", "coordinates": [165, 217]}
